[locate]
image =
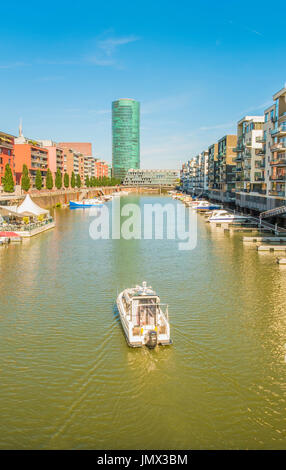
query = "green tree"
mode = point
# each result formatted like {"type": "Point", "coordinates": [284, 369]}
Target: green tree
{"type": "Point", "coordinates": [73, 182]}
{"type": "Point", "coordinates": [8, 182]}
{"type": "Point", "coordinates": [87, 181]}
{"type": "Point", "coordinates": [58, 179]}
{"type": "Point", "coordinates": [49, 180]}
{"type": "Point", "coordinates": [39, 180]}
{"type": "Point", "coordinates": [25, 180]}
{"type": "Point", "coordinates": [78, 181]}
{"type": "Point", "coordinates": [66, 180]}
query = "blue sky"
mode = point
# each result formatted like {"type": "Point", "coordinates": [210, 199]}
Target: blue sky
{"type": "Point", "coordinates": [196, 67]}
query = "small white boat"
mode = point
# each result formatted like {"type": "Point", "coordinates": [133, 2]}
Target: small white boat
{"type": "Point", "coordinates": [85, 203]}
{"type": "Point", "coordinates": [206, 206]}
{"type": "Point", "coordinates": [144, 319]}
{"type": "Point", "coordinates": [224, 216]}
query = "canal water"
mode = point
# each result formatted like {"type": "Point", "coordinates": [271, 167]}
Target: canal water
{"type": "Point", "coordinates": [68, 378]}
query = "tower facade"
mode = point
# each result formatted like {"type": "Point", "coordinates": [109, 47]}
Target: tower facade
{"type": "Point", "coordinates": [125, 136]}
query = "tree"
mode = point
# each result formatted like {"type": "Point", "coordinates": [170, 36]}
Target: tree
{"type": "Point", "coordinates": [49, 180]}
{"type": "Point", "coordinates": [8, 183]}
{"type": "Point", "coordinates": [66, 180]}
{"type": "Point", "coordinates": [87, 181]}
{"type": "Point", "coordinates": [58, 179]}
{"type": "Point", "coordinates": [78, 181]}
{"type": "Point", "coordinates": [73, 182]}
{"type": "Point", "coordinates": [39, 180]}
{"type": "Point", "coordinates": [25, 180]}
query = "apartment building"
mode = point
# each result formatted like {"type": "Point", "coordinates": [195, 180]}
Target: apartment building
{"type": "Point", "coordinates": [55, 156]}
{"type": "Point", "coordinates": [250, 159]}
{"type": "Point", "coordinates": [278, 145]}
{"type": "Point", "coordinates": [213, 166]}
{"type": "Point", "coordinates": [71, 161]}
{"type": "Point", "coordinates": [33, 154]}
{"type": "Point", "coordinates": [270, 193]}
{"type": "Point", "coordinates": [224, 180]}
{"type": "Point", "coordinates": [6, 154]}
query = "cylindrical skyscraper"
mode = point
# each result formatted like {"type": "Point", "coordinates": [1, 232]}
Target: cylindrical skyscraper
{"type": "Point", "coordinates": [125, 136]}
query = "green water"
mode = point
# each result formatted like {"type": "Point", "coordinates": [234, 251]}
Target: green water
{"type": "Point", "coordinates": [68, 378]}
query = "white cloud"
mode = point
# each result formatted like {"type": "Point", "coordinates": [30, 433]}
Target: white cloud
{"type": "Point", "coordinates": [109, 45]}
{"type": "Point", "coordinates": [12, 65]}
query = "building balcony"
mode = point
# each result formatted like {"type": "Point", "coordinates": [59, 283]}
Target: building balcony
{"type": "Point", "coordinates": [278, 162]}
{"type": "Point", "coordinates": [279, 131]}
{"type": "Point", "coordinates": [273, 192]}
{"type": "Point", "coordinates": [278, 147]}
{"type": "Point", "coordinates": [279, 178]}
{"type": "Point", "coordinates": [238, 148]}
{"type": "Point", "coordinates": [260, 140]}
{"type": "Point", "coordinates": [259, 165]}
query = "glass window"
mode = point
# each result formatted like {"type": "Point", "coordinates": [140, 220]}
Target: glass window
{"type": "Point", "coordinates": [266, 117]}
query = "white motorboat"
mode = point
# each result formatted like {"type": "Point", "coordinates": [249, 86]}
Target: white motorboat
{"type": "Point", "coordinates": [224, 216]}
{"type": "Point", "coordinates": [144, 319]}
{"type": "Point", "coordinates": [85, 203]}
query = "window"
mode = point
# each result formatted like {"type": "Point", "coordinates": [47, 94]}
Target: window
{"type": "Point", "coordinates": [266, 117]}
{"type": "Point", "coordinates": [271, 114]}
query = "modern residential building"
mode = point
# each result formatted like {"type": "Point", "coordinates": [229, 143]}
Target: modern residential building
{"type": "Point", "coordinates": [213, 166]}
{"type": "Point", "coordinates": [250, 160]}
{"type": "Point", "coordinates": [226, 166]}
{"type": "Point", "coordinates": [202, 173]}
{"type": "Point", "coordinates": [278, 147]}
{"type": "Point", "coordinates": [55, 156]}
{"type": "Point", "coordinates": [33, 154]}
{"type": "Point", "coordinates": [125, 136]}
{"type": "Point", "coordinates": [6, 154]}
{"type": "Point", "coordinates": [101, 169]}
{"type": "Point", "coordinates": [71, 161]}
{"type": "Point", "coordinates": [140, 177]}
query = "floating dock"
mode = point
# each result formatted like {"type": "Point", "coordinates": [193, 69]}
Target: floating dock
{"type": "Point", "coordinates": [264, 239]}
{"type": "Point", "coordinates": [271, 248]}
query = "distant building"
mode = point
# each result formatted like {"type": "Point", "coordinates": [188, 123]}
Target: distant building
{"type": "Point", "coordinates": [125, 136]}
{"type": "Point", "coordinates": [85, 148]}
{"type": "Point", "coordinates": [141, 177]}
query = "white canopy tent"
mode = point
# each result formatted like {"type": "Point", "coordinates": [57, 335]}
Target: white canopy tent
{"type": "Point", "coordinates": [27, 208]}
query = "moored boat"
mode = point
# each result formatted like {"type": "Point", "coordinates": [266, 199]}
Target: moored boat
{"type": "Point", "coordinates": [206, 206]}
{"type": "Point", "coordinates": [224, 216]}
{"type": "Point", "coordinates": [144, 319]}
{"type": "Point", "coordinates": [86, 203]}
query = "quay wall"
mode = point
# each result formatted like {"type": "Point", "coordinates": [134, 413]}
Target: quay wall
{"type": "Point", "coordinates": [51, 198]}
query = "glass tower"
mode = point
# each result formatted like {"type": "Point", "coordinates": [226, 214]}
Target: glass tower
{"type": "Point", "coordinates": [125, 136]}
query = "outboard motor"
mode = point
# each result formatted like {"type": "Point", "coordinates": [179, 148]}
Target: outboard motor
{"type": "Point", "coordinates": [151, 339]}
